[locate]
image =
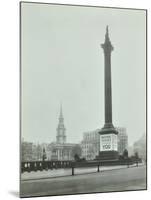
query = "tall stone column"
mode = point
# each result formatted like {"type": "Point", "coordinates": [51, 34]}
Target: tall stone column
{"type": "Point", "coordinates": [108, 48]}
{"type": "Point", "coordinates": [108, 134]}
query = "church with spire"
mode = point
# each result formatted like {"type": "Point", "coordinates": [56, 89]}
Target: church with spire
{"type": "Point", "coordinates": [61, 149]}
{"type": "Point", "coordinates": [61, 130]}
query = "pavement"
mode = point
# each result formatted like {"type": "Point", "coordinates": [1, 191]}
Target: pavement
{"type": "Point", "coordinates": [119, 179]}
{"type": "Point", "coordinates": [68, 172]}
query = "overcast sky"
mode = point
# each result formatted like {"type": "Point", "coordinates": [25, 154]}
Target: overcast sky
{"type": "Point", "coordinates": [62, 61]}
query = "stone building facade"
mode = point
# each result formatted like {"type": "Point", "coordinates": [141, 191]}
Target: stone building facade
{"type": "Point", "coordinates": [122, 139]}
{"type": "Point", "coordinates": [90, 144]}
{"type": "Point", "coordinates": [26, 151]}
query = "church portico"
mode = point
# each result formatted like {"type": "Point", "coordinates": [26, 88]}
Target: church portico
{"type": "Point", "coordinates": [62, 151]}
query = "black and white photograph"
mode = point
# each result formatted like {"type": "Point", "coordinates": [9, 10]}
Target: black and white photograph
{"type": "Point", "coordinates": [83, 97]}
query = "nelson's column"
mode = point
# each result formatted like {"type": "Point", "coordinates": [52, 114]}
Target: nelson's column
{"type": "Point", "coordinates": [108, 134]}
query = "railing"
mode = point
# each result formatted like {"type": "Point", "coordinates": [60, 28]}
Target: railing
{"type": "Point", "coordinates": [46, 165]}
{"type": "Point", "coordinates": [96, 164]}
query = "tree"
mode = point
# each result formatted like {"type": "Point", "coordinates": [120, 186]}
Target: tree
{"type": "Point", "coordinates": [125, 154]}
{"type": "Point", "coordinates": [136, 155]}
{"type": "Point", "coordinates": [76, 157]}
{"type": "Point", "coordinates": [76, 151]}
{"type": "Point", "coordinates": [44, 157]}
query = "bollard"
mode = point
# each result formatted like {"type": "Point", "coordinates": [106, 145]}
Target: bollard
{"type": "Point", "coordinates": [136, 163]}
{"type": "Point", "coordinates": [72, 171]}
{"type": "Point", "coordinates": [98, 168]}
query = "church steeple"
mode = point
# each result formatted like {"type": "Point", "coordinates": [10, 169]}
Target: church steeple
{"type": "Point", "coordinates": [61, 114]}
{"type": "Point", "coordinates": [61, 137]}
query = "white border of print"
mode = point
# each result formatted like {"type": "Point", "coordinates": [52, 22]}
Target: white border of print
{"type": "Point", "coordinates": [9, 99]}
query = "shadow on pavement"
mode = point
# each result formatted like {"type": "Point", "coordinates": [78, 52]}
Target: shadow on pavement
{"type": "Point", "coordinates": [14, 193]}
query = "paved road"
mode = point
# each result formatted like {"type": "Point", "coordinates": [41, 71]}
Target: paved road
{"type": "Point", "coordinates": [115, 180]}
{"type": "Point", "coordinates": [67, 172]}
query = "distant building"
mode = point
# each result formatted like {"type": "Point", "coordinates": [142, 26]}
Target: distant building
{"type": "Point", "coordinates": [122, 139]}
{"type": "Point", "coordinates": [48, 151]}
{"type": "Point", "coordinates": [140, 147]}
{"type": "Point", "coordinates": [61, 150]}
{"type": "Point", "coordinates": [39, 152]}
{"type": "Point", "coordinates": [90, 144]}
{"type": "Point", "coordinates": [130, 150]}
{"type": "Point", "coordinates": [26, 151]}
{"type": "Point", "coordinates": [34, 152]}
